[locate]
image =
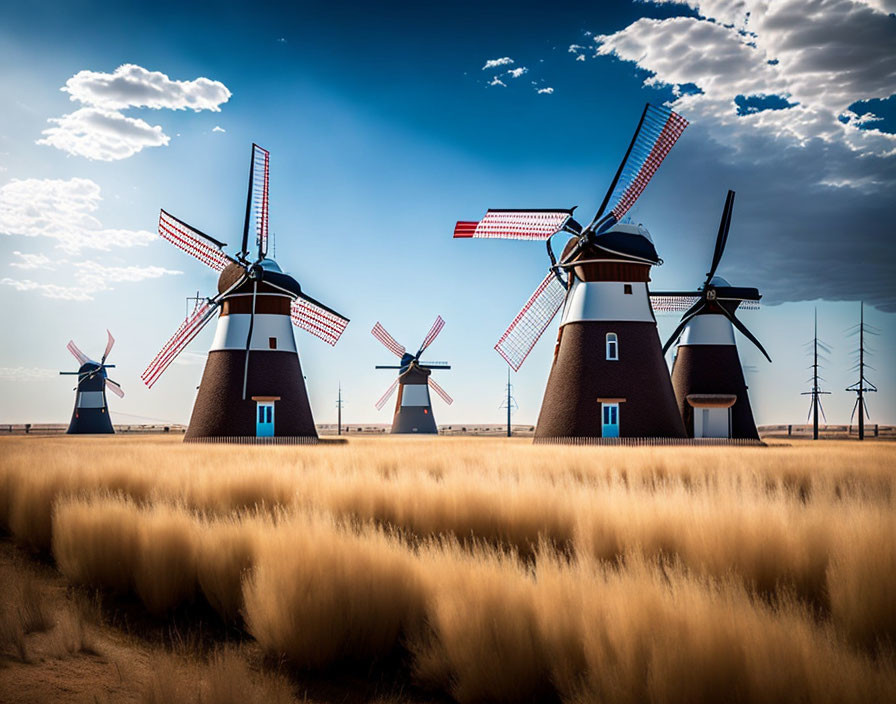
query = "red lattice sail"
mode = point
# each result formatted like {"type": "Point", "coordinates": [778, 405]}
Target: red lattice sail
{"type": "Point", "coordinates": [440, 391]}
{"type": "Point", "coordinates": [261, 165]}
{"type": "Point", "coordinates": [192, 241]}
{"type": "Point", "coordinates": [433, 333]}
{"type": "Point", "coordinates": [320, 322]}
{"type": "Point", "coordinates": [515, 224]}
{"type": "Point", "coordinates": [672, 304]}
{"type": "Point", "coordinates": [185, 333]}
{"type": "Point", "coordinates": [77, 353]}
{"type": "Point", "coordinates": [380, 333]}
{"type": "Point", "coordinates": [657, 134]}
{"type": "Point", "coordinates": [529, 324]}
{"type": "Point", "coordinates": [385, 397]}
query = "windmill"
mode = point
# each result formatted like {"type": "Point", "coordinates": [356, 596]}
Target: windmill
{"type": "Point", "coordinates": [862, 386]}
{"type": "Point", "coordinates": [413, 408]}
{"type": "Point", "coordinates": [91, 414]}
{"type": "Point", "coordinates": [252, 384]}
{"type": "Point", "coordinates": [707, 376]}
{"type": "Point", "coordinates": [608, 377]}
{"type": "Point", "coordinates": [816, 393]}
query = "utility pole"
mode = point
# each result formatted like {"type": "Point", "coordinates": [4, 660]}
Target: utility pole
{"type": "Point", "coordinates": [862, 386]}
{"type": "Point", "coordinates": [816, 391]}
{"type": "Point", "coordinates": [339, 404]}
{"type": "Point", "coordinates": [509, 403]}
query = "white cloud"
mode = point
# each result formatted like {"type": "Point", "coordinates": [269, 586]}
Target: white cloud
{"type": "Point", "coordinates": [32, 261]}
{"type": "Point", "coordinates": [27, 374]}
{"type": "Point", "coordinates": [218, 128]}
{"type": "Point", "coordinates": [575, 48]}
{"type": "Point", "coordinates": [580, 57]}
{"type": "Point", "coordinates": [63, 211]}
{"type": "Point", "coordinates": [191, 359]}
{"type": "Point", "coordinates": [103, 135]}
{"type": "Point", "coordinates": [281, 40]}
{"type": "Point", "coordinates": [497, 82]}
{"type": "Point", "coordinates": [133, 86]}
{"type": "Point", "coordinates": [90, 278]}
{"type": "Point", "coordinates": [821, 55]}
{"type": "Point", "coordinates": [517, 72]}
{"type": "Point", "coordinates": [100, 131]}
{"type": "Point", "coordinates": [546, 91]}
{"type": "Point", "coordinates": [495, 63]}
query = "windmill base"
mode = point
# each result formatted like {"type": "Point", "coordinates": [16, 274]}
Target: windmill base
{"type": "Point", "coordinates": [582, 380]}
{"type": "Point", "coordinates": [414, 420]}
{"type": "Point", "coordinates": [90, 421]}
{"type": "Point", "coordinates": [221, 412]}
{"type": "Point", "coordinates": [713, 370]}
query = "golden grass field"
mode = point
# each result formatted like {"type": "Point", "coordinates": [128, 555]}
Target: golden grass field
{"type": "Point", "coordinates": [492, 569]}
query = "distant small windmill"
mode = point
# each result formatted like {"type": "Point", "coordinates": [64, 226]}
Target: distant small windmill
{"type": "Point", "coordinates": [253, 365]}
{"type": "Point", "coordinates": [91, 414]}
{"type": "Point", "coordinates": [862, 386]}
{"type": "Point", "coordinates": [815, 392]}
{"type": "Point", "coordinates": [707, 376]}
{"type": "Point", "coordinates": [608, 378]}
{"type": "Point", "coordinates": [413, 407]}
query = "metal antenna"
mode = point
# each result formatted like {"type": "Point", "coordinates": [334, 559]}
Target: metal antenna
{"type": "Point", "coordinates": [816, 392]}
{"type": "Point", "coordinates": [862, 386]}
{"type": "Point", "coordinates": [339, 404]}
{"type": "Point", "coordinates": [509, 403]}
{"type": "Point", "coordinates": [197, 299]}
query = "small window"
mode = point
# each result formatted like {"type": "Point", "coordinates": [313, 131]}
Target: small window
{"type": "Point", "coordinates": [627, 288]}
{"type": "Point", "coordinates": [612, 347]}
{"type": "Point", "coordinates": [272, 343]}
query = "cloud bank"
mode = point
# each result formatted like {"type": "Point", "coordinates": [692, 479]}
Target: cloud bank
{"type": "Point", "coordinates": [100, 131]}
{"type": "Point", "coordinates": [816, 182]}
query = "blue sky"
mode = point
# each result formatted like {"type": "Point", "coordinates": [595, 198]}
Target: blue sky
{"type": "Point", "coordinates": [384, 128]}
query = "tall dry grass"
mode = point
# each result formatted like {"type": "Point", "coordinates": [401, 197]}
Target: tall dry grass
{"type": "Point", "coordinates": [506, 572]}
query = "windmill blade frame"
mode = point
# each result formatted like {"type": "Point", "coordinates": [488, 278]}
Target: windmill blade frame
{"type": "Point", "coordinates": [431, 335]}
{"type": "Point", "coordinates": [657, 132]}
{"type": "Point", "coordinates": [109, 344]}
{"type": "Point", "coordinates": [182, 337]}
{"type": "Point", "coordinates": [722, 236]}
{"type": "Point", "coordinates": [77, 353]}
{"type": "Point", "coordinates": [316, 318]}
{"type": "Point", "coordinates": [743, 329]}
{"type": "Point", "coordinates": [693, 311]}
{"type": "Point", "coordinates": [519, 224]}
{"type": "Point", "coordinates": [439, 390]}
{"type": "Point", "coordinates": [257, 202]}
{"type": "Point", "coordinates": [385, 397]}
{"type": "Point", "coordinates": [530, 323]}
{"type": "Point", "coordinates": [194, 242]}
{"type": "Point", "coordinates": [389, 342]}
{"type": "Point", "coordinates": [114, 387]}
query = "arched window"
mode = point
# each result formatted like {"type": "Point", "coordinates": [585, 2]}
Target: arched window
{"type": "Point", "coordinates": [612, 347]}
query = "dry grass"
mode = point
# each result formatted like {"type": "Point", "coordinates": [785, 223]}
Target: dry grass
{"type": "Point", "coordinates": [507, 572]}
{"type": "Point", "coordinates": [224, 679]}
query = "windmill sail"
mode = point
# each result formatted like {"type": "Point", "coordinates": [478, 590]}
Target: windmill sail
{"type": "Point", "coordinates": [515, 224]}
{"type": "Point", "coordinates": [532, 320]}
{"type": "Point", "coordinates": [195, 243]}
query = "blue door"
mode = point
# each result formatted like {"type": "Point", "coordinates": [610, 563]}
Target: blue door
{"type": "Point", "coordinates": [264, 420]}
{"type": "Point", "coordinates": [610, 427]}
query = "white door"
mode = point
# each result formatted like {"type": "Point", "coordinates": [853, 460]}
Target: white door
{"type": "Point", "coordinates": [711, 422]}
{"type": "Point", "coordinates": [610, 420]}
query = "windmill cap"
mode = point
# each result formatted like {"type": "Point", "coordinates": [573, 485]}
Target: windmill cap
{"type": "Point", "coordinates": [270, 265]}
{"type": "Point", "coordinates": [629, 239]}
{"type": "Point", "coordinates": [718, 281]}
